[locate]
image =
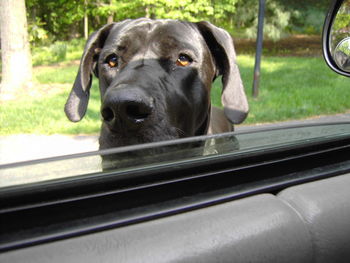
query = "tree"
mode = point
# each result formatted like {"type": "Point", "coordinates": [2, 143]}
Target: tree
{"type": "Point", "coordinates": [15, 50]}
{"type": "Point", "coordinates": [176, 9]}
{"type": "Point", "coordinates": [276, 19]}
{"type": "Point", "coordinates": [61, 19]}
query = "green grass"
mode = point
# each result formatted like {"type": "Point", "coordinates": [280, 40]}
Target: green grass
{"type": "Point", "coordinates": [48, 75]}
{"type": "Point", "coordinates": [46, 116]}
{"type": "Point", "coordinates": [290, 88]}
{"type": "Point", "coordinates": [294, 88]}
{"type": "Point", "coordinates": [57, 52]}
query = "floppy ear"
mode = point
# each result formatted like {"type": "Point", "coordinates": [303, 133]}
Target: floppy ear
{"type": "Point", "coordinates": [78, 99]}
{"type": "Point", "coordinates": [221, 46]}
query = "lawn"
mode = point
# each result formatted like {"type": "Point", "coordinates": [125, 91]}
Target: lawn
{"type": "Point", "coordinates": [295, 88]}
{"type": "Point", "coordinates": [290, 88]}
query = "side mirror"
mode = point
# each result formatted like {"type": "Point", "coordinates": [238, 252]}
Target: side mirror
{"type": "Point", "coordinates": [336, 37]}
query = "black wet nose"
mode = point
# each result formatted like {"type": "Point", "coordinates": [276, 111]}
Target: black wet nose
{"type": "Point", "coordinates": [126, 108]}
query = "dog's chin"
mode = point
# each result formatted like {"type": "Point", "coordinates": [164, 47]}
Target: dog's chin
{"type": "Point", "coordinates": [143, 156]}
{"type": "Point", "coordinates": [111, 138]}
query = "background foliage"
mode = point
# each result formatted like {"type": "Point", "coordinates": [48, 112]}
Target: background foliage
{"type": "Point", "coordinates": [52, 20]}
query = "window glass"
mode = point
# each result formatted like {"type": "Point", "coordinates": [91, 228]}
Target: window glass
{"type": "Point", "coordinates": [166, 154]}
{"type": "Point", "coordinates": [296, 86]}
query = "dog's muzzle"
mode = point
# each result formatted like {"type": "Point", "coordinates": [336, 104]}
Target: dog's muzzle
{"type": "Point", "coordinates": [126, 108]}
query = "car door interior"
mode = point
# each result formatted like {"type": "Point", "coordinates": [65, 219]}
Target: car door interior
{"type": "Point", "coordinates": [304, 223]}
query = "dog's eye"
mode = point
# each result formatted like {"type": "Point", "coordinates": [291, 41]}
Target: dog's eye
{"type": "Point", "coordinates": [112, 61]}
{"type": "Point", "coordinates": [183, 60]}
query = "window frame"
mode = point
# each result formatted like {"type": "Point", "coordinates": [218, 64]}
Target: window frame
{"type": "Point", "coordinates": [327, 28]}
{"type": "Point", "coordinates": [53, 210]}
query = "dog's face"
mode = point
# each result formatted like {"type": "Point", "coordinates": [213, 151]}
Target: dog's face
{"type": "Point", "coordinates": [155, 78]}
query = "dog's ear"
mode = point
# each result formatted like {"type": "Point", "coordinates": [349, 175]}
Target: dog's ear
{"type": "Point", "coordinates": [221, 46]}
{"type": "Point", "coordinates": [78, 99]}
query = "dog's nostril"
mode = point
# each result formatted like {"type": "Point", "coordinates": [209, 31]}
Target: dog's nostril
{"type": "Point", "coordinates": [107, 114]}
{"type": "Point", "coordinates": [138, 111]}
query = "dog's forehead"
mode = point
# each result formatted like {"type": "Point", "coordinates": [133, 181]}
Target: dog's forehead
{"type": "Point", "coordinates": [167, 31]}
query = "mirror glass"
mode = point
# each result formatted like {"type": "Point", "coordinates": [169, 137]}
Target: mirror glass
{"type": "Point", "coordinates": [340, 37]}
{"type": "Point", "coordinates": [341, 54]}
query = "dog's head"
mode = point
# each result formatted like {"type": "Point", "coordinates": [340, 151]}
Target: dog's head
{"type": "Point", "coordinates": [155, 78]}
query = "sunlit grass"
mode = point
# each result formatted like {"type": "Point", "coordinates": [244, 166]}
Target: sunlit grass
{"type": "Point", "coordinates": [56, 74]}
{"type": "Point", "coordinates": [46, 116]}
{"type": "Point", "coordinates": [293, 88]}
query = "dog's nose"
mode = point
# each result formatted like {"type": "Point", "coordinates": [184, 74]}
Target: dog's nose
{"type": "Point", "coordinates": [126, 108]}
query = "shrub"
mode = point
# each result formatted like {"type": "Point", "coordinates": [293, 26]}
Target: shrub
{"type": "Point", "coordinates": [57, 52]}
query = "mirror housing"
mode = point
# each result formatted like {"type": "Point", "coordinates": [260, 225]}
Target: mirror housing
{"type": "Point", "coordinates": [336, 37]}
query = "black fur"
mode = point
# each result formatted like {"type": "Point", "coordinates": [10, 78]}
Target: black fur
{"type": "Point", "coordinates": [149, 97]}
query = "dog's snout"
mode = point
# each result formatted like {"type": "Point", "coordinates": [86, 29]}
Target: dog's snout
{"type": "Point", "coordinates": [138, 111]}
{"type": "Point", "coordinates": [126, 108]}
{"type": "Point", "coordinates": [107, 114]}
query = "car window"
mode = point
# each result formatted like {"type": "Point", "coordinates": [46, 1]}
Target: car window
{"type": "Point", "coordinates": [168, 154]}
{"type": "Point", "coordinates": [296, 88]}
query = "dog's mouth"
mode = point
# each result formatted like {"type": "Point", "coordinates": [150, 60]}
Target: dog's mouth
{"type": "Point", "coordinates": [141, 131]}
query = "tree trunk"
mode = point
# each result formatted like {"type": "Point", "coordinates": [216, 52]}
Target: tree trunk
{"type": "Point", "coordinates": [86, 21]}
{"type": "Point", "coordinates": [15, 49]}
{"type": "Point", "coordinates": [110, 18]}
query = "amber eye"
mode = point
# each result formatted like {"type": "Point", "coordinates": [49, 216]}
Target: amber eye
{"type": "Point", "coordinates": [112, 61]}
{"type": "Point", "coordinates": [183, 60]}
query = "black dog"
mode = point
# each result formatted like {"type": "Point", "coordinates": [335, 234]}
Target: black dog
{"type": "Point", "coordinates": [155, 78]}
